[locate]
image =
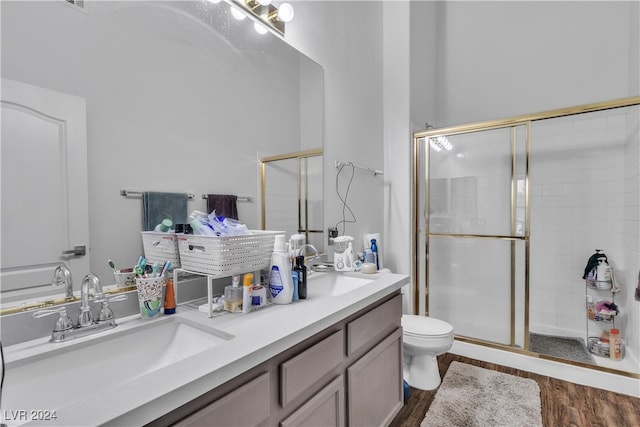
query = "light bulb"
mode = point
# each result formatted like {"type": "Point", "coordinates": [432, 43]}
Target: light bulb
{"type": "Point", "coordinates": [260, 29]}
{"type": "Point", "coordinates": [239, 15]}
{"type": "Point", "coordinates": [285, 12]}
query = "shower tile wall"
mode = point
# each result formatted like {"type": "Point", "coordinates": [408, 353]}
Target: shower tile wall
{"type": "Point", "coordinates": [630, 324]}
{"type": "Point", "coordinates": [584, 175]}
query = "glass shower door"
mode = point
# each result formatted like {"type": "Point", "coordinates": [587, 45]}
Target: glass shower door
{"type": "Point", "coordinates": [475, 223]}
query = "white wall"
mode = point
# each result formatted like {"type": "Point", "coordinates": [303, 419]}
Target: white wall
{"type": "Point", "coordinates": [501, 59]}
{"type": "Point", "coordinates": [346, 39]}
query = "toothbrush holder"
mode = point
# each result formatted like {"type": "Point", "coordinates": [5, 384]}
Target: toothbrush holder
{"type": "Point", "coordinates": [150, 296]}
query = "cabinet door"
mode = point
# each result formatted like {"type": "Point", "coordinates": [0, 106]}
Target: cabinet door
{"type": "Point", "coordinates": [374, 384]}
{"type": "Point", "coordinates": [245, 407]}
{"type": "Point", "coordinates": [325, 409]}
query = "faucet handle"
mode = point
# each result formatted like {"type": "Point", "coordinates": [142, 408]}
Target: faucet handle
{"type": "Point", "coordinates": [106, 314]}
{"type": "Point", "coordinates": [62, 324]}
{"type": "Point", "coordinates": [120, 297]}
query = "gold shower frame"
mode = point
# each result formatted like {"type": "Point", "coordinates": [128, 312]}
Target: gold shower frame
{"type": "Point", "coordinates": [263, 185]}
{"type": "Point", "coordinates": [421, 137]}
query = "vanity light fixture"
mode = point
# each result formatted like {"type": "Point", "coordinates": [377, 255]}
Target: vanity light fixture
{"type": "Point", "coordinates": [266, 13]}
{"type": "Point", "coordinates": [237, 13]}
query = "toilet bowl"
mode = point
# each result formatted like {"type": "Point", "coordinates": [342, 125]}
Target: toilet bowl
{"type": "Point", "coordinates": [423, 339]}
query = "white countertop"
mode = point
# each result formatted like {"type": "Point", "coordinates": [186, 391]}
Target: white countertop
{"type": "Point", "coordinates": [257, 336]}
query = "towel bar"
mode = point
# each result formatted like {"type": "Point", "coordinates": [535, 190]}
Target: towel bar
{"type": "Point", "coordinates": [129, 193]}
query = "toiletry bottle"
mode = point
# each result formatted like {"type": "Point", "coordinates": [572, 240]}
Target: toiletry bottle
{"type": "Point", "coordinates": [302, 277]}
{"type": "Point", "coordinates": [164, 226]}
{"type": "Point", "coordinates": [374, 249]}
{"type": "Point", "coordinates": [615, 345]}
{"type": "Point", "coordinates": [233, 295]}
{"type": "Point", "coordinates": [280, 282]}
{"type": "Point", "coordinates": [295, 281]}
{"type": "Point", "coordinates": [591, 313]}
{"type": "Point", "coordinates": [258, 296]}
{"type": "Point", "coordinates": [246, 292]}
{"type": "Point", "coordinates": [169, 298]}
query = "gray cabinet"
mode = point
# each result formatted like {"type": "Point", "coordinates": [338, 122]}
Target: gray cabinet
{"type": "Point", "coordinates": [348, 374]}
{"type": "Point", "coordinates": [324, 409]}
{"type": "Point", "coordinates": [375, 384]}
{"type": "Point", "coordinates": [248, 405]}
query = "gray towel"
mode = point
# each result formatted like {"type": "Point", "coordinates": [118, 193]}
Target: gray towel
{"type": "Point", "coordinates": [157, 206]}
{"type": "Point", "coordinates": [637, 296]}
{"type": "Point", "coordinates": [223, 204]}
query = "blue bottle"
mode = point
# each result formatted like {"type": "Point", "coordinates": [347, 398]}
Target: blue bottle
{"type": "Point", "coordinates": [374, 249]}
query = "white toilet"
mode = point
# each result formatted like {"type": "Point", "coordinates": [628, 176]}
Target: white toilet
{"type": "Point", "coordinates": [423, 339]}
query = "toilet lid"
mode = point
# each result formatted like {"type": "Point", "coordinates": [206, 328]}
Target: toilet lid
{"type": "Point", "coordinates": [421, 325]}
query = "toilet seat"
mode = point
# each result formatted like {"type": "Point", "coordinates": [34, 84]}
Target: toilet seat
{"type": "Point", "coordinates": [422, 326]}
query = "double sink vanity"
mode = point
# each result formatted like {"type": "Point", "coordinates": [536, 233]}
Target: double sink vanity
{"type": "Point", "coordinates": [333, 359]}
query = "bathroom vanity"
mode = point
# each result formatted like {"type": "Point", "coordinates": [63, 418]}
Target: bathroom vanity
{"type": "Point", "coordinates": [333, 359]}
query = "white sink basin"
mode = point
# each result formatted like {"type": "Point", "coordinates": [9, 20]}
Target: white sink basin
{"type": "Point", "coordinates": [64, 373]}
{"type": "Point", "coordinates": [334, 284]}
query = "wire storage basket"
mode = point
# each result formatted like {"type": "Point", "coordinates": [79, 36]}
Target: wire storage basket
{"type": "Point", "coordinates": [598, 347]}
{"type": "Point", "coordinates": [161, 247]}
{"type": "Point", "coordinates": [227, 255]}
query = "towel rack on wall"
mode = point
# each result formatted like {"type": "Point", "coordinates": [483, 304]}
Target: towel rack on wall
{"type": "Point", "coordinates": [239, 198]}
{"type": "Point", "coordinates": [129, 193]}
{"type": "Point", "coordinates": [375, 172]}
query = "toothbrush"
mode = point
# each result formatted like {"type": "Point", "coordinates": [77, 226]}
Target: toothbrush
{"type": "Point", "coordinates": [112, 265]}
{"type": "Point", "coordinates": [167, 267]}
{"type": "Point", "coordinates": [154, 272]}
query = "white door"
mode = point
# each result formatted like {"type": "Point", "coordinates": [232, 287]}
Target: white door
{"type": "Point", "coordinates": [44, 205]}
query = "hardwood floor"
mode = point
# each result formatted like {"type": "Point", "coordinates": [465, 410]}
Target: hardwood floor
{"type": "Point", "coordinates": [564, 404]}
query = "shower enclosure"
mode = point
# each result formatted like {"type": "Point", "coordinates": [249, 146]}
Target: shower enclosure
{"type": "Point", "coordinates": [506, 215]}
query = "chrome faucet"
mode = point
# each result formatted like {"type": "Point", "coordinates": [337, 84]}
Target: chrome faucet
{"type": "Point", "coordinates": [308, 245]}
{"type": "Point", "coordinates": [62, 277]}
{"type": "Point", "coordinates": [64, 328]}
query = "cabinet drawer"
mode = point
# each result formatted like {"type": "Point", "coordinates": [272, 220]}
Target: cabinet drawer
{"type": "Point", "coordinates": [324, 409]}
{"type": "Point", "coordinates": [301, 372]}
{"type": "Point", "coordinates": [245, 407]}
{"type": "Point", "coordinates": [369, 328]}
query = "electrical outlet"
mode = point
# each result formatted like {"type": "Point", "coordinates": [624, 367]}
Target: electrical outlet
{"type": "Point", "coordinates": [332, 233]}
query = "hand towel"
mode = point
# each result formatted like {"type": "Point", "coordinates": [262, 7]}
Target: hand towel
{"type": "Point", "coordinates": [637, 296]}
{"type": "Point", "coordinates": [157, 206]}
{"type": "Point", "coordinates": [223, 204]}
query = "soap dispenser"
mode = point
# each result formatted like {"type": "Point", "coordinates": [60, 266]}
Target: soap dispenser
{"type": "Point", "coordinates": [233, 295]}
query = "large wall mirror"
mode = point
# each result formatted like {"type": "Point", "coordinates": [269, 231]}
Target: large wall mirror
{"type": "Point", "coordinates": [179, 97]}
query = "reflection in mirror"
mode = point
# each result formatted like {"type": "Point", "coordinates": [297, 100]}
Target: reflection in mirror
{"type": "Point", "coordinates": [292, 196]}
{"type": "Point", "coordinates": [179, 97]}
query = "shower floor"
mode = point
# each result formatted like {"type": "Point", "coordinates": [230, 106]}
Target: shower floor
{"type": "Point", "coordinates": [570, 348]}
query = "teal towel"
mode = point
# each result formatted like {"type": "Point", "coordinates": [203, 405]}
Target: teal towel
{"type": "Point", "coordinates": [157, 206]}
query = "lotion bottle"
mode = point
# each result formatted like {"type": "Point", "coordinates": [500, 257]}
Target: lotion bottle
{"type": "Point", "coordinates": [615, 345]}
{"type": "Point", "coordinates": [280, 280]}
{"type": "Point", "coordinates": [246, 292]}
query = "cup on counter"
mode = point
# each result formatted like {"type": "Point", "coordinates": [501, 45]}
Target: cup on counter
{"type": "Point", "coordinates": [150, 296]}
{"type": "Point", "coordinates": [125, 277]}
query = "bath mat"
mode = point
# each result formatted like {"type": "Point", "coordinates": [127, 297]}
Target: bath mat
{"type": "Point", "coordinates": [564, 347]}
{"type": "Point", "coordinates": [476, 397]}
